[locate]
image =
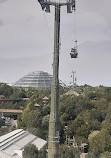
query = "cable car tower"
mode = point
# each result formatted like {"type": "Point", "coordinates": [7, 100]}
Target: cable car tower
{"type": "Point", "coordinates": [53, 142]}
{"type": "Point", "coordinates": [74, 80]}
{"type": "Point", "coordinates": [74, 55]}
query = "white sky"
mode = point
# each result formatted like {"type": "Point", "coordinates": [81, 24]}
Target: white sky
{"type": "Point", "coordinates": [26, 41]}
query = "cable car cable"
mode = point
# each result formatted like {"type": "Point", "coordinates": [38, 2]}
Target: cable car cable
{"type": "Point", "coordinates": [74, 53]}
{"type": "Point", "coordinates": [50, 37]}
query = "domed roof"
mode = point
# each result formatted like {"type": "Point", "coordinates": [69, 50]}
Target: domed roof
{"type": "Point", "coordinates": [37, 79]}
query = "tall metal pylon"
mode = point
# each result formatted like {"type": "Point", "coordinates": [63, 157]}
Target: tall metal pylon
{"type": "Point", "coordinates": [53, 142]}
{"type": "Point", "coordinates": [74, 80]}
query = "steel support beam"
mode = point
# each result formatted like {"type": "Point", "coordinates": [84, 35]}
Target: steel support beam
{"type": "Point", "coordinates": [53, 142]}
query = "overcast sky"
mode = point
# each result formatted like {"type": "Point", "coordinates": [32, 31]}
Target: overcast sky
{"type": "Point", "coordinates": [26, 41]}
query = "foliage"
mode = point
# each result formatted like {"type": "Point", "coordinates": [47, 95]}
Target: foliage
{"type": "Point", "coordinates": [2, 122]}
{"type": "Point", "coordinates": [93, 134]}
{"type": "Point", "coordinates": [42, 153]}
{"type": "Point", "coordinates": [87, 117]}
{"type": "Point", "coordinates": [106, 155]}
{"type": "Point", "coordinates": [93, 154]}
{"type": "Point", "coordinates": [30, 151]}
{"type": "Point", "coordinates": [100, 142]}
{"type": "Point", "coordinates": [66, 152]}
{"type": "Point", "coordinates": [18, 93]}
{"type": "Point", "coordinates": [31, 119]}
{"type": "Point", "coordinates": [5, 90]}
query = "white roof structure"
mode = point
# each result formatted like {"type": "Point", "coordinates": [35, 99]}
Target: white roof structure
{"type": "Point", "coordinates": [45, 98]}
{"type": "Point", "coordinates": [71, 92]}
{"type": "Point", "coordinates": [13, 143]}
{"type": "Point", "coordinates": [36, 79]}
{"type": "Point", "coordinates": [36, 105]}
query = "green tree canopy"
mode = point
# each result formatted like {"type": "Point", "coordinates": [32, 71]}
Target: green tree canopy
{"type": "Point", "coordinates": [100, 142]}
{"type": "Point", "coordinates": [30, 151]}
{"type": "Point", "coordinates": [66, 152]}
{"type": "Point", "coordinates": [106, 155]}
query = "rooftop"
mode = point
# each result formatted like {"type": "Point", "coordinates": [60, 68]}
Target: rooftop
{"type": "Point", "coordinates": [37, 79]}
{"type": "Point", "coordinates": [13, 143]}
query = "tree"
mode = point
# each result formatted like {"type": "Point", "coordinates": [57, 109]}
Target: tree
{"type": "Point", "coordinates": [92, 135]}
{"type": "Point", "coordinates": [44, 127]}
{"type": "Point", "coordinates": [100, 142]}
{"type": "Point", "coordinates": [2, 122]}
{"type": "Point", "coordinates": [106, 124]}
{"type": "Point", "coordinates": [30, 151]}
{"type": "Point", "coordinates": [42, 153]}
{"type": "Point", "coordinates": [93, 154]}
{"type": "Point", "coordinates": [33, 119]}
{"type": "Point", "coordinates": [18, 93]}
{"type": "Point", "coordinates": [106, 155]}
{"type": "Point", "coordinates": [66, 152]}
{"type": "Point", "coordinates": [6, 90]}
{"type": "Point", "coordinates": [95, 115]}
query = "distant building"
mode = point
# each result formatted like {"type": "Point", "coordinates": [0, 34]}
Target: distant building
{"type": "Point", "coordinates": [2, 97]}
{"type": "Point", "coordinates": [71, 92]}
{"type": "Point", "coordinates": [8, 112]}
{"type": "Point", "coordinates": [13, 143]}
{"type": "Point", "coordinates": [83, 155]}
{"type": "Point", "coordinates": [37, 79]}
{"type": "Point", "coordinates": [45, 100]}
{"type": "Point", "coordinates": [36, 105]}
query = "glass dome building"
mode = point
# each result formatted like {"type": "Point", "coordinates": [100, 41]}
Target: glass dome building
{"type": "Point", "coordinates": [37, 79]}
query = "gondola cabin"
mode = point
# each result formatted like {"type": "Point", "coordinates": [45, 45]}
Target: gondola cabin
{"type": "Point", "coordinates": [74, 53]}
